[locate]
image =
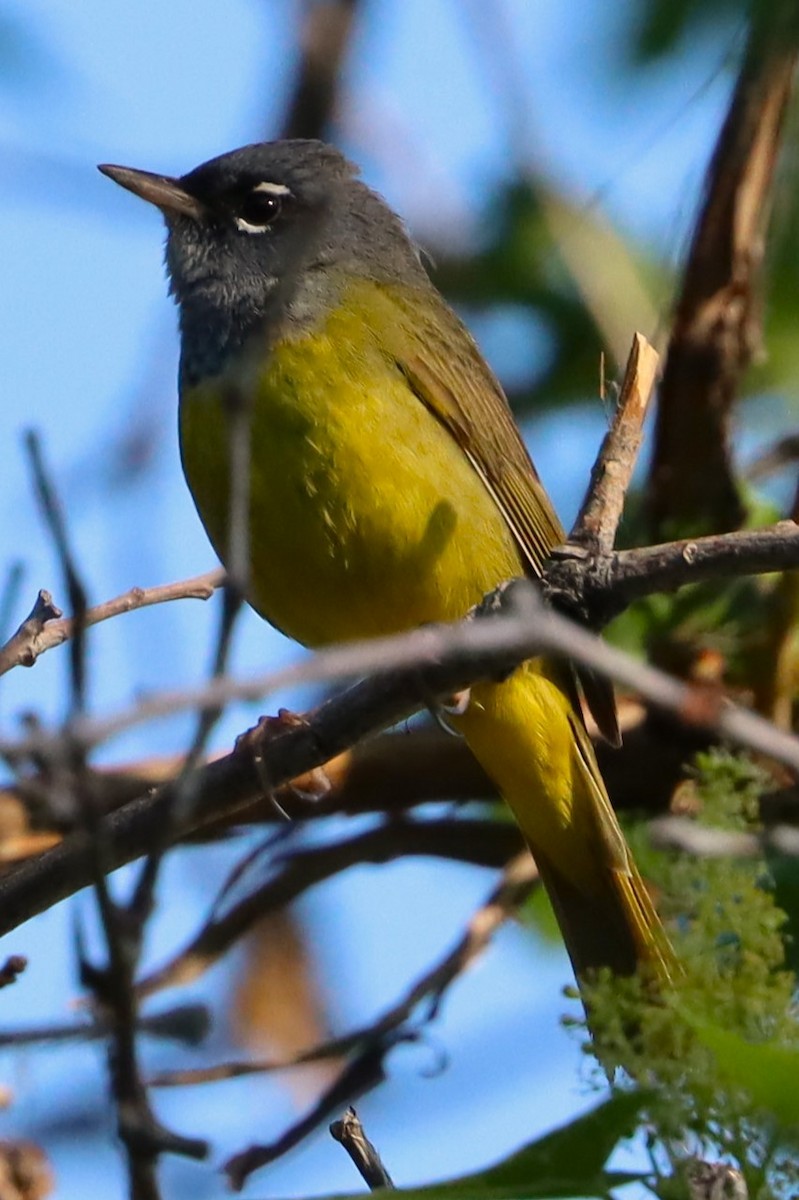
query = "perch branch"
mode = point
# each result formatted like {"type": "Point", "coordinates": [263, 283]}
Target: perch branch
{"type": "Point", "coordinates": [437, 660]}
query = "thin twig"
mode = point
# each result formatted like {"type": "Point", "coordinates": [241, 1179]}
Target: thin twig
{"type": "Point", "coordinates": [45, 627]}
{"type": "Point", "coordinates": [360, 1076]}
{"type": "Point", "coordinates": [519, 879]}
{"type": "Point", "coordinates": [457, 654]}
{"type": "Point", "coordinates": [8, 596]}
{"type": "Point", "coordinates": [186, 1024]}
{"type": "Point", "coordinates": [784, 452]}
{"type": "Point", "coordinates": [598, 519]}
{"type": "Point", "coordinates": [387, 774]}
{"type": "Point", "coordinates": [349, 1131]}
{"type": "Point", "coordinates": [605, 586]}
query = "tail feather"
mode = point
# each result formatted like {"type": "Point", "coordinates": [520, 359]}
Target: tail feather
{"type": "Point", "coordinates": [614, 926]}
{"type": "Point", "coordinates": [529, 736]}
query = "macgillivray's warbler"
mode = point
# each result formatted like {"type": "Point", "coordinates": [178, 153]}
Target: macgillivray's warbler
{"type": "Point", "coordinates": [388, 485]}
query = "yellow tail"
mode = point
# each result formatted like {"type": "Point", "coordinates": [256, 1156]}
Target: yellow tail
{"type": "Point", "coordinates": [529, 739]}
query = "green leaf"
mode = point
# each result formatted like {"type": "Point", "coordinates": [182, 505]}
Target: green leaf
{"type": "Point", "coordinates": [569, 1162]}
{"type": "Point", "coordinates": [767, 1070]}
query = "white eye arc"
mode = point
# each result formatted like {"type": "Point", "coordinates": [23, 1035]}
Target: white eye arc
{"type": "Point", "coordinates": [260, 207]}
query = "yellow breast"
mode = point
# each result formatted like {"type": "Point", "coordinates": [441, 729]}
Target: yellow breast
{"type": "Point", "coordinates": [365, 516]}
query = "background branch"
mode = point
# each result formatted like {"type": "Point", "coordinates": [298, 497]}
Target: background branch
{"type": "Point", "coordinates": [365, 1069]}
{"type": "Point", "coordinates": [717, 324]}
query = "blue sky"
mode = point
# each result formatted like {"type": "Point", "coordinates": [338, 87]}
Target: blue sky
{"type": "Point", "coordinates": [89, 352]}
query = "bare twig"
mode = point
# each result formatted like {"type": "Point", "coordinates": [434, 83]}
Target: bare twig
{"type": "Point", "coordinates": [349, 1131]}
{"type": "Point", "coordinates": [717, 325]}
{"type": "Point", "coordinates": [775, 457]}
{"type": "Point", "coordinates": [467, 651]}
{"type": "Point", "coordinates": [187, 1024]}
{"type": "Point", "coordinates": [605, 586]}
{"type": "Point", "coordinates": [11, 589]}
{"type": "Point", "coordinates": [45, 627]}
{"type": "Point", "coordinates": [389, 773]}
{"type": "Point", "coordinates": [598, 519]}
{"type": "Point", "coordinates": [594, 532]}
{"type": "Point", "coordinates": [359, 1077]}
{"type": "Point", "coordinates": [601, 587]}
{"type": "Point", "coordinates": [519, 878]}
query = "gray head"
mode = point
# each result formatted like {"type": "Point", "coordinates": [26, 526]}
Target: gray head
{"type": "Point", "coordinates": [267, 234]}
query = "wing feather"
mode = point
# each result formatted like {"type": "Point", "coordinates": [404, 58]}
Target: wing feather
{"type": "Point", "coordinates": [454, 382]}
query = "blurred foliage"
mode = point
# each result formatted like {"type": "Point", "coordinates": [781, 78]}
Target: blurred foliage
{"type": "Point", "coordinates": [663, 27]}
{"type": "Point", "coordinates": [564, 265]}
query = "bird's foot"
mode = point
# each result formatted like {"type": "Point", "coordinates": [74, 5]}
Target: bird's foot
{"type": "Point", "coordinates": [442, 708]}
{"type": "Point", "coordinates": [309, 788]}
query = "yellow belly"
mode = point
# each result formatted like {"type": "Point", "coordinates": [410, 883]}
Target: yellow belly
{"type": "Point", "coordinates": [365, 516]}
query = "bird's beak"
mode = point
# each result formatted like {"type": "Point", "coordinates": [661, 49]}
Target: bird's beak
{"type": "Point", "coordinates": [161, 190]}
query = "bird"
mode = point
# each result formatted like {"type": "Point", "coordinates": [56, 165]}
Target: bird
{"type": "Point", "coordinates": [385, 482]}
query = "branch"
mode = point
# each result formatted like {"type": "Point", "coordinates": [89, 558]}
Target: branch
{"type": "Point", "coordinates": [359, 1077]}
{"type": "Point", "coordinates": [388, 774]}
{"type": "Point", "coordinates": [603, 587]}
{"type": "Point", "coordinates": [350, 1133]}
{"type": "Point", "coordinates": [142, 1135]}
{"type": "Point", "coordinates": [46, 627]}
{"type": "Point", "coordinates": [717, 325]}
{"type": "Point", "coordinates": [187, 1024]}
{"type": "Point", "coordinates": [598, 519]}
{"type": "Point", "coordinates": [471, 650]}
{"type": "Point", "coordinates": [519, 878]}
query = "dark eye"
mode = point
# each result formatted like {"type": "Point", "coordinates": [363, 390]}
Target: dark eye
{"type": "Point", "coordinates": [260, 207]}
